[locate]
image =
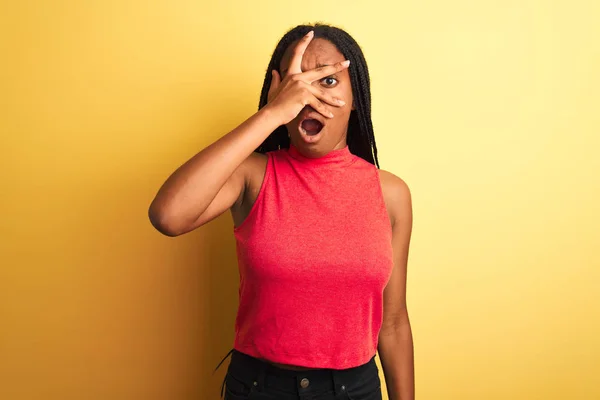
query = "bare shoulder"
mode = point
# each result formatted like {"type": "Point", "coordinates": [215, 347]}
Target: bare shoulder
{"type": "Point", "coordinates": [257, 157]}
{"type": "Point", "coordinates": [397, 196]}
{"type": "Point", "coordinates": [255, 168]}
{"type": "Point", "coordinates": [256, 165]}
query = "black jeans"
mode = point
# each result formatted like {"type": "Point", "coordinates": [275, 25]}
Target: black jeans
{"type": "Point", "coordinates": [250, 378]}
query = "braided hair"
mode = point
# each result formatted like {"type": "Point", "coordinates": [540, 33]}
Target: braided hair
{"type": "Point", "coordinates": [360, 137]}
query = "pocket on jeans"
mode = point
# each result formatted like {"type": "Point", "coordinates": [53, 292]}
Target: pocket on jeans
{"type": "Point", "coordinates": [373, 394]}
{"type": "Point", "coordinates": [236, 389]}
{"type": "Point", "coordinates": [367, 388]}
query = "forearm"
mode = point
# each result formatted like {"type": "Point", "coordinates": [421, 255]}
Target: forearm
{"type": "Point", "coordinates": [396, 353]}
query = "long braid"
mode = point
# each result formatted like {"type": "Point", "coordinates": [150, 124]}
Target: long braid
{"type": "Point", "coordinates": [360, 135]}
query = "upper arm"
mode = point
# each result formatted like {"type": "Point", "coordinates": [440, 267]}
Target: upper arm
{"type": "Point", "coordinates": [398, 201]}
{"type": "Point", "coordinates": [232, 192]}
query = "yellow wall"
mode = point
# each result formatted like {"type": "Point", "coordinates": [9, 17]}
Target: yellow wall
{"type": "Point", "coordinates": [488, 109]}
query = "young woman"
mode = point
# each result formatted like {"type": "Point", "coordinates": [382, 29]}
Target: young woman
{"type": "Point", "coordinates": [322, 233]}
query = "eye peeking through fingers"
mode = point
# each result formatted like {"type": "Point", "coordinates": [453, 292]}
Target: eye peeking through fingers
{"type": "Point", "coordinates": [329, 82]}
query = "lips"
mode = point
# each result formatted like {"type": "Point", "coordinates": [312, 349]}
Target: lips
{"type": "Point", "coordinates": [311, 125]}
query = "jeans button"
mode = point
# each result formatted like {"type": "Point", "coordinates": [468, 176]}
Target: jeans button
{"type": "Point", "coordinates": [304, 383]}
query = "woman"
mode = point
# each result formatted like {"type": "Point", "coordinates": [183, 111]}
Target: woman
{"type": "Point", "coordinates": [322, 234]}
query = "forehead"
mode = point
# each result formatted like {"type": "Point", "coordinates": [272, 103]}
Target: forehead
{"type": "Point", "coordinates": [319, 52]}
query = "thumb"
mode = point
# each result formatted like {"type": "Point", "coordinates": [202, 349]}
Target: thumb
{"type": "Point", "coordinates": [275, 81]}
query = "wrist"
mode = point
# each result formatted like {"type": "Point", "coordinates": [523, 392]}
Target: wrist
{"type": "Point", "coordinates": [271, 116]}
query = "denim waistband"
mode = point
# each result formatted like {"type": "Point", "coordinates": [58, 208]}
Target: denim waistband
{"type": "Point", "coordinates": [261, 373]}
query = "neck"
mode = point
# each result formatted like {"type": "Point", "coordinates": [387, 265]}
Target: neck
{"type": "Point", "coordinates": [336, 157]}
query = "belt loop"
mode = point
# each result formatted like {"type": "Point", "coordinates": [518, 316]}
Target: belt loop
{"type": "Point", "coordinates": [338, 386]}
{"type": "Point", "coordinates": [259, 383]}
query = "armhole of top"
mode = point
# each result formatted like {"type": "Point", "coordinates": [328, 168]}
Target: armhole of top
{"type": "Point", "coordinates": [260, 194]}
{"type": "Point", "coordinates": [382, 197]}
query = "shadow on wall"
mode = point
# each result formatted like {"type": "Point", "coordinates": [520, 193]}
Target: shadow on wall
{"type": "Point", "coordinates": [144, 316]}
{"type": "Point", "coordinates": [204, 280]}
{"type": "Point", "coordinates": [207, 284]}
{"type": "Point", "coordinates": [152, 316]}
{"type": "Point", "coordinates": [207, 279]}
{"type": "Point", "coordinates": [222, 295]}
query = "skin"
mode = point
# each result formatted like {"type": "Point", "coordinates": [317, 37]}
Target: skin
{"type": "Point", "coordinates": [395, 338]}
{"type": "Point", "coordinates": [227, 175]}
{"type": "Point", "coordinates": [321, 52]}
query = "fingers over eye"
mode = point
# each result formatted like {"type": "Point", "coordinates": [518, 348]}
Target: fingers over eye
{"type": "Point", "coordinates": [296, 61]}
{"type": "Point", "coordinates": [323, 72]}
{"type": "Point", "coordinates": [320, 108]}
{"type": "Point", "coordinates": [325, 97]}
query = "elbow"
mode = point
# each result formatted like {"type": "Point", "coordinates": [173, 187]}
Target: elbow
{"type": "Point", "coordinates": [163, 221]}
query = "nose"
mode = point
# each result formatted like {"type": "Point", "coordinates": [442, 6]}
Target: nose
{"type": "Point", "coordinates": [307, 109]}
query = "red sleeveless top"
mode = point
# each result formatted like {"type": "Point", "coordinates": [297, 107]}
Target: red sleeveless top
{"type": "Point", "coordinates": [314, 254]}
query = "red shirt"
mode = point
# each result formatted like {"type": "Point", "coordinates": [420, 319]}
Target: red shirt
{"type": "Point", "coordinates": [314, 254]}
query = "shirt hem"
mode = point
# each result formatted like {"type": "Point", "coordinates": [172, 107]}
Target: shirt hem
{"type": "Point", "coordinates": [282, 357]}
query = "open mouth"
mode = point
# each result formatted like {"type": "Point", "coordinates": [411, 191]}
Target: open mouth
{"type": "Point", "coordinates": [311, 126]}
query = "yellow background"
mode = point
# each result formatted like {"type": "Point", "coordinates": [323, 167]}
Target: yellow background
{"type": "Point", "coordinates": [488, 109]}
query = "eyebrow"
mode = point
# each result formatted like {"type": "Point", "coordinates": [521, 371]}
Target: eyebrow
{"type": "Point", "coordinates": [319, 65]}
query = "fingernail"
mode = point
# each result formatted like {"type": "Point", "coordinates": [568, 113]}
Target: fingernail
{"type": "Point", "coordinates": [330, 114]}
{"type": "Point", "coordinates": [342, 102]}
{"type": "Point", "coordinates": [346, 63]}
{"type": "Point", "coordinates": [310, 33]}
